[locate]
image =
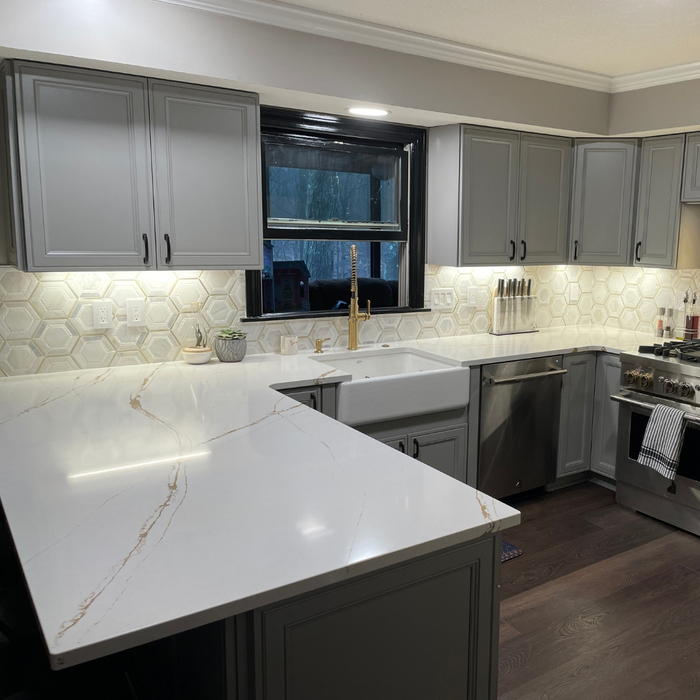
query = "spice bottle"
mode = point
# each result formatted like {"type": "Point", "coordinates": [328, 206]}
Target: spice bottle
{"type": "Point", "coordinates": [660, 322]}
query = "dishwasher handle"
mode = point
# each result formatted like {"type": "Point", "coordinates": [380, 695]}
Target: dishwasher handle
{"type": "Point", "coordinates": [525, 377]}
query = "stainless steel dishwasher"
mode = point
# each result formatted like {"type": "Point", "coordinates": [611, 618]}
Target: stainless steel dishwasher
{"type": "Point", "coordinates": [519, 425]}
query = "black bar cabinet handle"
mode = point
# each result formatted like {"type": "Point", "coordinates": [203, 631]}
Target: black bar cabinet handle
{"type": "Point", "coordinates": [416, 448]}
{"type": "Point", "coordinates": [636, 251]}
{"type": "Point", "coordinates": [524, 245]}
{"type": "Point", "coordinates": [145, 245]}
{"type": "Point", "coordinates": [313, 401]}
{"type": "Point", "coordinates": [402, 447]}
{"type": "Point", "coordinates": [168, 256]}
{"type": "Point", "coordinates": [512, 250]}
{"type": "Point", "coordinates": [575, 250]}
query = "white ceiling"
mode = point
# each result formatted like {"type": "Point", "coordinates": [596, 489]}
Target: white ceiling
{"type": "Point", "coordinates": [609, 37]}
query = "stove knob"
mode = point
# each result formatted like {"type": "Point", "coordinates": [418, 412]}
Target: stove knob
{"type": "Point", "coordinates": [685, 389]}
{"type": "Point", "coordinates": [631, 376]}
{"type": "Point", "coordinates": [647, 380]}
{"type": "Point", "coordinates": [670, 386]}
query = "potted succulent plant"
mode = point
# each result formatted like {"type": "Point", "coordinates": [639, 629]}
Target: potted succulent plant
{"type": "Point", "coordinates": [230, 345]}
{"type": "Point", "coordinates": [200, 353]}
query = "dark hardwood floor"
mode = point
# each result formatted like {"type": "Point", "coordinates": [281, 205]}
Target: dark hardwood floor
{"type": "Point", "coordinates": [604, 604]}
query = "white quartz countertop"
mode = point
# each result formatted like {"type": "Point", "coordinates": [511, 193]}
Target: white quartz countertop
{"type": "Point", "coordinates": [144, 501]}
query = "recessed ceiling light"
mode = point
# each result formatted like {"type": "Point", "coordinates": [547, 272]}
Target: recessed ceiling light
{"type": "Point", "coordinates": [368, 111]}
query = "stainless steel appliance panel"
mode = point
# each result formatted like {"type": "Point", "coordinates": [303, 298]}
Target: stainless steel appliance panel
{"type": "Point", "coordinates": [519, 425]}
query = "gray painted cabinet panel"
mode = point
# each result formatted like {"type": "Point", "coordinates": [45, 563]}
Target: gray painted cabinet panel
{"type": "Point", "coordinates": [206, 165]}
{"type": "Point", "coordinates": [420, 630]}
{"type": "Point", "coordinates": [691, 177]}
{"type": "Point", "coordinates": [605, 173]}
{"type": "Point", "coordinates": [398, 443]}
{"type": "Point", "coordinates": [658, 209]}
{"type": "Point", "coordinates": [444, 450]}
{"type": "Point", "coordinates": [604, 444]}
{"type": "Point", "coordinates": [86, 168]}
{"type": "Point", "coordinates": [490, 162]}
{"type": "Point", "coordinates": [545, 164]}
{"type": "Point", "coordinates": [576, 422]}
{"type": "Point", "coordinates": [11, 231]}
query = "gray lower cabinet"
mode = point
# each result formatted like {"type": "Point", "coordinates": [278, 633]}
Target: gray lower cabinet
{"type": "Point", "coordinates": [659, 206]}
{"type": "Point", "coordinates": [205, 171]}
{"type": "Point", "coordinates": [691, 176]}
{"type": "Point", "coordinates": [320, 398]}
{"type": "Point", "coordinates": [85, 159]}
{"type": "Point", "coordinates": [604, 443]}
{"type": "Point", "coordinates": [423, 629]}
{"type": "Point", "coordinates": [576, 421]}
{"type": "Point", "coordinates": [444, 449]}
{"type": "Point", "coordinates": [605, 174]}
{"type": "Point", "coordinates": [543, 220]}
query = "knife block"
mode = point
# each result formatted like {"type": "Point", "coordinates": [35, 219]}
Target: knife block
{"type": "Point", "coordinates": [514, 315]}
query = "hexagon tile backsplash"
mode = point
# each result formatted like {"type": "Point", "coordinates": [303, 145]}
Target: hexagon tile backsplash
{"type": "Point", "coordinates": [46, 318]}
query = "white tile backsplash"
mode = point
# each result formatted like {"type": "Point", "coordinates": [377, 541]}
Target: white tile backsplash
{"type": "Point", "coordinates": [46, 318]}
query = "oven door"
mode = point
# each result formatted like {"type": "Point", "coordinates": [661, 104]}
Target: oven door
{"type": "Point", "coordinates": [643, 488]}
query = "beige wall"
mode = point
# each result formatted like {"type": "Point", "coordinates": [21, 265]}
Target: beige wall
{"type": "Point", "coordinates": [159, 39]}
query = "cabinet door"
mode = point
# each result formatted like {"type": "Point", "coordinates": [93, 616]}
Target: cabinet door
{"type": "Point", "coordinates": [576, 421]}
{"type": "Point", "coordinates": [398, 442]}
{"type": "Point", "coordinates": [659, 206]}
{"type": "Point", "coordinates": [691, 177]}
{"type": "Point", "coordinates": [423, 630]}
{"type": "Point", "coordinates": [604, 445]}
{"type": "Point", "coordinates": [11, 236]}
{"type": "Point", "coordinates": [489, 196]}
{"type": "Point", "coordinates": [86, 169]}
{"type": "Point", "coordinates": [309, 397]}
{"type": "Point", "coordinates": [603, 200]}
{"type": "Point", "coordinates": [444, 450]}
{"type": "Point", "coordinates": [543, 219]}
{"type": "Point", "coordinates": [206, 155]}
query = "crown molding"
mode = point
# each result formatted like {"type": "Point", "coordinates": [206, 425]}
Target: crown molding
{"type": "Point", "coordinates": [658, 76]}
{"type": "Point", "coordinates": [280, 14]}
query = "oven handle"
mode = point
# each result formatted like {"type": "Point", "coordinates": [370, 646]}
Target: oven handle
{"type": "Point", "coordinates": [689, 417]}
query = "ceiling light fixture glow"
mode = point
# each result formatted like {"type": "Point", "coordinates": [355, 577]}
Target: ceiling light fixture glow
{"type": "Point", "coordinates": [368, 111]}
{"type": "Point", "coordinates": [167, 460]}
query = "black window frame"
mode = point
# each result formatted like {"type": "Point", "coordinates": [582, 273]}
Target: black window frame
{"type": "Point", "coordinates": [305, 127]}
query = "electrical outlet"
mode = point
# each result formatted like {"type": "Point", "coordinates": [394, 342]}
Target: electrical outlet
{"type": "Point", "coordinates": [135, 312]}
{"type": "Point", "coordinates": [574, 292]}
{"type": "Point", "coordinates": [102, 314]}
{"type": "Point", "coordinates": [472, 297]}
{"type": "Point", "coordinates": [441, 298]}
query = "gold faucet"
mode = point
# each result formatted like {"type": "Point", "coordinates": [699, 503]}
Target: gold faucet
{"type": "Point", "coordinates": [355, 316]}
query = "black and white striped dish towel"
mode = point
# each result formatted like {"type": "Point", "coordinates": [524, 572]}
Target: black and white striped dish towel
{"type": "Point", "coordinates": [663, 440]}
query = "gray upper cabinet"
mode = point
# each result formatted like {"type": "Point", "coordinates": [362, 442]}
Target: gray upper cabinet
{"type": "Point", "coordinates": [576, 418]}
{"type": "Point", "coordinates": [658, 209]}
{"type": "Point", "coordinates": [86, 169]}
{"type": "Point", "coordinates": [545, 164]}
{"type": "Point", "coordinates": [603, 201]}
{"type": "Point", "coordinates": [496, 197]}
{"type": "Point", "coordinates": [490, 162]}
{"type": "Point", "coordinates": [604, 443]}
{"type": "Point", "coordinates": [691, 179]}
{"type": "Point", "coordinates": [206, 155]}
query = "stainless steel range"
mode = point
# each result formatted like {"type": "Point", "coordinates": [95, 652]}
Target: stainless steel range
{"type": "Point", "coordinates": [662, 374]}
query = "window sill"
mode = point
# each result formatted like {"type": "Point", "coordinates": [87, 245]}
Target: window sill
{"type": "Point", "coordinates": [295, 315]}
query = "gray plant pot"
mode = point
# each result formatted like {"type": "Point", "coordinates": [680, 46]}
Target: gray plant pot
{"type": "Point", "coordinates": [230, 350]}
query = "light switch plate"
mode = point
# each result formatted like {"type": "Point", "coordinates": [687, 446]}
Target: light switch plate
{"type": "Point", "coordinates": [135, 312]}
{"type": "Point", "coordinates": [102, 314]}
{"type": "Point", "coordinates": [441, 298]}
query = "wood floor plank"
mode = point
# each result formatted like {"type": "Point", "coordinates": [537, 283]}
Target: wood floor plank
{"type": "Point", "coordinates": [506, 632]}
{"type": "Point", "coordinates": [535, 568]}
{"type": "Point", "coordinates": [541, 606]}
{"type": "Point", "coordinates": [600, 651]}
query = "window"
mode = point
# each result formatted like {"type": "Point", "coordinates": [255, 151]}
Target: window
{"type": "Point", "coordinates": [329, 183]}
